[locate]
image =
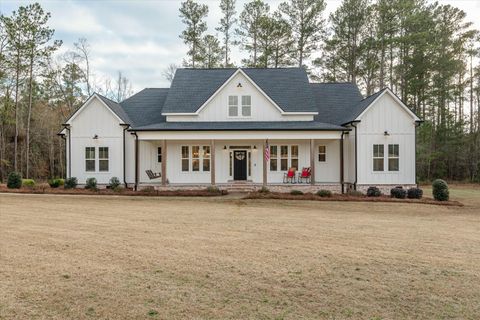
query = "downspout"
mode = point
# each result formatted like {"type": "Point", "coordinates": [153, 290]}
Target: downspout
{"type": "Point", "coordinates": [125, 127]}
{"type": "Point", "coordinates": [64, 154]}
{"type": "Point", "coordinates": [136, 160]}
{"type": "Point", "coordinates": [341, 163]}
{"type": "Point", "coordinates": [67, 127]}
{"type": "Point", "coordinates": [353, 124]}
{"type": "Point", "coordinates": [417, 124]}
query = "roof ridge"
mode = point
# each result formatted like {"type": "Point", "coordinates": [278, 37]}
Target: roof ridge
{"type": "Point", "coordinates": [374, 94]}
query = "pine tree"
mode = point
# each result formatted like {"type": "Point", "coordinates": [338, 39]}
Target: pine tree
{"type": "Point", "coordinates": [212, 54]}
{"type": "Point", "coordinates": [193, 15]}
{"type": "Point", "coordinates": [307, 25]}
{"type": "Point", "coordinates": [226, 26]}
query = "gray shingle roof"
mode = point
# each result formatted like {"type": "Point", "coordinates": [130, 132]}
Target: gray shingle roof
{"type": "Point", "coordinates": [116, 108]}
{"type": "Point", "coordinates": [287, 87]}
{"type": "Point", "coordinates": [240, 125]}
{"type": "Point", "coordinates": [145, 107]}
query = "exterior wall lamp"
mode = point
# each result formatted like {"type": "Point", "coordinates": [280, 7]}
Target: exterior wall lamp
{"type": "Point", "coordinates": [224, 147]}
{"type": "Point", "coordinates": [386, 133]}
{"type": "Point", "coordinates": [95, 137]}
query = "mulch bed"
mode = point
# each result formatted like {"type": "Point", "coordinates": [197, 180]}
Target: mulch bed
{"type": "Point", "coordinates": [344, 197]}
{"type": "Point", "coordinates": [105, 192]}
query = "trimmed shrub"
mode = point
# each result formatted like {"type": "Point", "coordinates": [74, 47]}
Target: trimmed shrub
{"type": "Point", "coordinates": [355, 193]}
{"type": "Point", "coordinates": [264, 190]}
{"type": "Point", "coordinates": [213, 189]}
{"type": "Point", "coordinates": [61, 182]}
{"type": "Point", "coordinates": [296, 193]}
{"type": "Point", "coordinates": [55, 182]}
{"type": "Point", "coordinates": [28, 183]}
{"type": "Point", "coordinates": [14, 180]}
{"type": "Point", "coordinates": [373, 192]}
{"type": "Point", "coordinates": [415, 193]}
{"type": "Point", "coordinates": [114, 183]}
{"type": "Point", "coordinates": [440, 190]}
{"type": "Point", "coordinates": [398, 193]}
{"type": "Point", "coordinates": [70, 183]}
{"type": "Point", "coordinates": [324, 193]}
{"type": "Point", "coordinates": [91, 184]}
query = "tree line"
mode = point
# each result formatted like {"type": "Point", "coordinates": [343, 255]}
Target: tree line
{"type": "Point", "coordinates": [39, 89]}
{"type": "Point", "coordinates": [427, 53]}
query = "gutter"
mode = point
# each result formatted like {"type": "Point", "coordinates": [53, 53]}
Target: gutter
{"type": "Point", "coordinates": [67, 127]}
{"type": "Point", "coordinates": [231, 129]}
{"type": "Point", "coordinates": [342, 163]}
{"type": "Point", "coordinates": [125, 127]}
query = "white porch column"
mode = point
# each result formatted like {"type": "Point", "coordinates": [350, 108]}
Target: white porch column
{"type": "Point", "coordinates": [212, 162]}
{"type": "Point", "coordinates": [264, 164]}
{"type": "Point", "coordinates": [312, 161]}
{"type": "Point", "coordinates": [164, 162]}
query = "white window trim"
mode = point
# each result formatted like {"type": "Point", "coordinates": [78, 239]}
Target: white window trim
{"type": "Point", "coordinates": [239, 107]}
{"type": "Point", "coordinates": [90, 159]}
{"type": "Point", "coordinates": [190, 158]}
{"type": "Point", "coordinates": [373, 158]}
{"type": "Point", "coordinates": [319, 153]}
{"type": "Point", "coordinates": [388, 157]}
{"type": "Point", "coordinates": [279, 157]}
{"type": "Point", "coordinates": [97, 161]}
{"type": "Point", "coordinates": [108, 160]}
{"type": "Point", "coordinates": [385, 159]}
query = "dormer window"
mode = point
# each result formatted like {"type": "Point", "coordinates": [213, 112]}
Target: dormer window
{"type": "Point", "coordinates": [246, 106]}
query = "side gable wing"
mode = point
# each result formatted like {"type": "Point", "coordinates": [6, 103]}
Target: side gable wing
{"type": "Point", "coordinates": [112, 106]}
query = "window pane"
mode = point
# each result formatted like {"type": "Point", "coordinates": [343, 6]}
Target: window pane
{"type": "Point", "coordinates": [378, 150]}
{"type": "Point", "coordinates": [184, 164]}
{"type": "Point", "coordinates": [233, 101]}
{"type": "Point", "coordinates": [393, 164]}
{"type": "Point", "coordinates": [246, 106]}
{"type": "Point", "coordinates": [90, 153]}
{"type": "Point", "coordinates": [378, 164]}
{"type": "Point", "coordinates": [322, 149]}
{"type": "Point", "coordinates": [185, 152]}
{"type": "Point", "coordinates": [206, 164]}
{"type": "Point", "coordinates": [393, 150]}
{"type": "Point", "coordinates": [103, 165]}
{"type": "Point", "coordinates": [206, 151]}
{"type": "Point", "coordinates": [103, 152]}
{"type": "Point", "coordinates": [294, 151]}
{"type": "Point", "coordinates": [232, 106]}
{"type": "Point", "coordinates": [246, 100]}
{"type": "Point", "coordinates": [195, 165]}
{"type": "Point", "coordinates": [249, 164]}
{"type": "Point", "coordinates": [273, 151]}
{"type": "Point", "coordinates": [233, 111]}
{"type": "Point", "coordinates": [231, 164]}
{"type": "Point", "coordinates": [195, 151]}
{"type": "Point", "coordinates": [273, 165]}
{"type": "Point", "coordinates": [246, 111]}
{"type": "Point", "coordinates": [90, 165]}
{"type": "Point", "coordinates": [322, 157]}
{"type": "Point", "coordinates": [284, 165]}
{"type": "Point", "coordinates": [284, 151]}
{"type": "Point", "coordinates": [295, 163]}
{"type": "Point", "coordinates": [159, 154]}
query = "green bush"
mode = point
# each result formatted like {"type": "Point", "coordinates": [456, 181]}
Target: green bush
{"type": "Point", "coordinates": [61, 182]}
{"type": "Point", "coordinates": [70, 183]}
{"type": "Point", "coordinates": [373, 192]}
{"type": "Point", "coordinates": [14, 180]}
{"type": "Point", "coordinates": [55, 182]}
{"type": "Point", "coordinates": [296, 193]}
{"type": "Point", "coordinates": [440, 190]}
{"type": "Point", "coordinates": [264, 190]}
{"type": "Point", "coordinates": [324, 193]}
{"type": "Point", "coordinates": [398, 193]}
{"type": "Point", "coordinates": [91, 184]}
{"type": "Point", "coordinates": [114, 183]}
{"type": "Point", "coordinates": [415, 193]}
{"type": "Point", "coordinates": [29, 183]}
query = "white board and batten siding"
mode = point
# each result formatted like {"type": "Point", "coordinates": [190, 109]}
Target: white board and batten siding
{"type": "Point", "coordinates": [96, 119]}
{"type": "Point", "coordinates": [386, 115]}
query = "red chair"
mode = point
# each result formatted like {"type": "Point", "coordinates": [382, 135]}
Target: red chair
{"type": "Point", "coordinates": [305, 175]}
{"type": "Point", "coordinates": [289, 176]}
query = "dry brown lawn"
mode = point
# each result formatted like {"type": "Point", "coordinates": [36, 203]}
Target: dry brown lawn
{"type": "Point", "coordinates": [86, 257]}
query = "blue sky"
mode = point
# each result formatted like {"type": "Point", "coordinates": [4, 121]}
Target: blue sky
{"type": "Point", "coordinates": [140, 38]}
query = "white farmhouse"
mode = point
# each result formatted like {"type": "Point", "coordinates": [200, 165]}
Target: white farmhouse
{"type": "Point", "coordinates": [245, 127]}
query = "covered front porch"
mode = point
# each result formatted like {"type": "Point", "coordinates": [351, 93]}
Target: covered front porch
{"type": "Point", "coordinates": [240, 161]}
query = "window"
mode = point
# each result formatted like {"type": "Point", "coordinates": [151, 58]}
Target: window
{"type": "Point", "coordinates": [90, 159]}
{"type": "Point", "coordinates": [206, 158]}
{"type": "Point", "coordinates": [393, 157]}
{"type": "Point", "coordinates": [288, 157]}
{"type": "Point", "coordinates": [273, 158]}
{"type": "Point", "coordinates": [294, 156]}
{"type": "Point", "coordinates": [233, 106]}
{"type": "Point", "coordinates": [322, 153]}
{"type": "Point", "coordinates": [185, 158]}
{"type": "Point", "coordinates": [246, 106]}
{"type": "Point", "coordinates": [284, 158]}
{"type": "Point", "coordinates": [249, 164]}
{"type": "Point", "coordinates": [195, 158]}
{"type": "Point", "coordinates": [103, 159]}
{"type": "Point", "coordinates": [159, 154]}
{"type": "Point", "coordinates": [378, 155]}
{"type": "Point", "coordinates": [231, 164]}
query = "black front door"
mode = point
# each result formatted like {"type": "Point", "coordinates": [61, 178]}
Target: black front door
{"type": "Point", "coordinates": [240, 165]}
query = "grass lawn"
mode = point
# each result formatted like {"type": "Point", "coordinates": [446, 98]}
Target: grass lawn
{"type": "Point", "coordinates": [87, 257]}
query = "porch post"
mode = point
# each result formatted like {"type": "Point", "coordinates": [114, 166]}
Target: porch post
{"type": "Point", "coordinates": [312, 161]}
{"type": "Point", "coordinates": [264, 164]}
{"type": "Point", "coordinates": [212, 161]}
{"type": "Point", "coordinates": [341, 163]}
{"type": "Point", "coordinates": [164, 162]}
